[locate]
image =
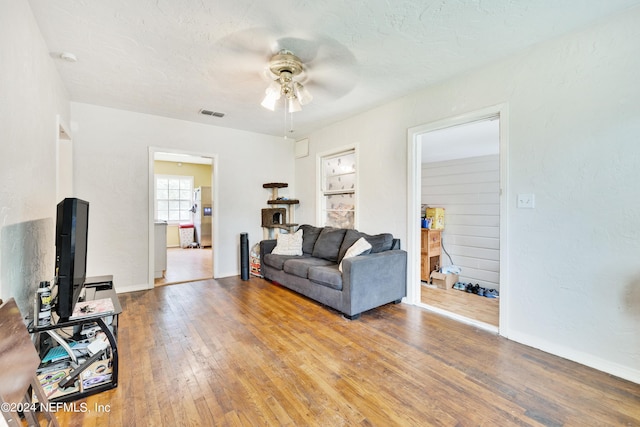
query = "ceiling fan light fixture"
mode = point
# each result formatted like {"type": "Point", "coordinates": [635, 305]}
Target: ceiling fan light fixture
{"type": "Point", "coordinates": [293, 105]}
{"type": "Point", "coordinates": [302, 93]}
{"type": "Point", "coordinates": [269, 101]}
{"type": "Point", "coordinates": [272, 96]}
{"type": "Point", "coordinates": [286, 66]}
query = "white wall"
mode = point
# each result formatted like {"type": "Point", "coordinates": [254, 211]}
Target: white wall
{"type": "Point", "coordinates": [469, 191]}
{"type": "Point", "coordinates": [574, 121]}
{"type": "Point", "coordinates": [31, 96]}
{"type": "Point", "coordinates": [112, 152]}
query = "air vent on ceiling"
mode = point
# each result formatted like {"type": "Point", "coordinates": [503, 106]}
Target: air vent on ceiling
{"type": "Point", "coordinates": [211, 113]}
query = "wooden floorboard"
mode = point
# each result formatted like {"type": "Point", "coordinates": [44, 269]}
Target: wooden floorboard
{"type": "Point", "coordinates": [465, 304]}
{"type": "Point", "coordinates": [230, 352]}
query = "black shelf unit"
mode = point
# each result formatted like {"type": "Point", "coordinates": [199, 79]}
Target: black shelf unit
{"type": "Point", "coordinates": [95, 288]}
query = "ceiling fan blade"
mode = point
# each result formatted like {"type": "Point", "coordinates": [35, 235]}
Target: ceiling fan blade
{"type": "Point", "coordinates": [332, 78]}
{"type": "Point", "coordinates": [253, 41]}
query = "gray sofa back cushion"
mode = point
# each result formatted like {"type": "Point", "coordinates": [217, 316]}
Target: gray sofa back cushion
{"type": "Point", "coordinates": [309, 236]}
{"type": "Point", "coordinates": [379, 242]}
{"type": "Point", "coordinates": [328, 244]}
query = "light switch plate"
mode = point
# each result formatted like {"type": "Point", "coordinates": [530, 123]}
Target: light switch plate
{"type": "Point", "coordinates": [526, 201]}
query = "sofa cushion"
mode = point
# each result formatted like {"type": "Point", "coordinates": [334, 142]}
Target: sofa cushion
{"type": "Point", "coordinates": [328, 244]}
{"type": "Point", "coordinates": [379, 242]}
{"type": "Point", "coordinates": [309, 236]}
{"type": "Point", "coordinates": [361, 246]}
{"type": "Point", "coordinates": [300, 266]}
{"type": "Point", "coordinates": [328, 276]}
{"type": "Point", "coordinates": [277, 261]}
{"type": "Point", "coordinates": [289, 244]}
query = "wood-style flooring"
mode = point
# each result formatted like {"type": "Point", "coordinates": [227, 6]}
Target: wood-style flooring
{"type": "Point", "coordinates": [186, 265]}
{"type": "Point", "coordinates": [230, 352]}
{"type": "Point", "coordinates": [472, 306]}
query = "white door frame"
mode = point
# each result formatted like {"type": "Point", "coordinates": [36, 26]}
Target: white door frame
{"type": "Point", "coordinates": [214, 213]}
{"type": "Point", "coordinates": [414, 185]}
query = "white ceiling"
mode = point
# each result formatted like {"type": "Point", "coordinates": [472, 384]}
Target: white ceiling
{"type": "Point", "coordinates": [480, 138]}
{"type": "Point", "coordinates": [175, 57]}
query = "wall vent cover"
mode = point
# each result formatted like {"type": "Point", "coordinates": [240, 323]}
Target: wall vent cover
{"type": "Point", "coordinates": [211, 113]}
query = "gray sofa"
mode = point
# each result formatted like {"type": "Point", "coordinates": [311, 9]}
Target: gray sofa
{"type": "Point", "coordinates": [367, 281]}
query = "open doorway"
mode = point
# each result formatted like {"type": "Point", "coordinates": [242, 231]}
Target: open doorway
{"type": "Point", "coordinates": [461, 175]}
{"type": "Point", "coordinates": [459, 164]}
{"type": "Point", "coordinates": [182, 216]}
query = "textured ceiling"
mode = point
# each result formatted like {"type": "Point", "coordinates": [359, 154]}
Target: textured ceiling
{"type": "Point", "coordinates": [175, 57]}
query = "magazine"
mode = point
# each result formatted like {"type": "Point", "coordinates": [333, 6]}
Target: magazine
{"type": "Point", "coordinates": [100, 372]}
{"type": "Point", "coordinates": [49, 382]}
{"type": "Point", "coordinates": [95, 308]}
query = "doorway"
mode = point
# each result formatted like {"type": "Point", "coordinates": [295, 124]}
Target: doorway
{"type": "Point", "coordinates": [181, 251]}
{"type": "Point", "coordinates": [460, 164]}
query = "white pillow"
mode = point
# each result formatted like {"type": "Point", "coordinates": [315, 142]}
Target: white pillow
{"type": "Point", "coordinates": [289, 244]}
{"type": "Point", "coordinates": [361, 245]}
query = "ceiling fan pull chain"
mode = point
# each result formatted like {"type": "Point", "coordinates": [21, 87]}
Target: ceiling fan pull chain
{"type": "Point", "coordinates": [291, 123]}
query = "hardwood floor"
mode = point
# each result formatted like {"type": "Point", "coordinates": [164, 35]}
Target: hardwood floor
{"type": "Point", "coordinates": [472, 306]}
{"type": "Point", "coordinates": [232, 352]}
{"type": "Point", "coordinates": [187, 265]}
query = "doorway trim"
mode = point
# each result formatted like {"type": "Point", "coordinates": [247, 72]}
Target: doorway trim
{"type": "Point", "coordinates": [414, 185]}
{"type": "Point", "coordinates": [151, 198]}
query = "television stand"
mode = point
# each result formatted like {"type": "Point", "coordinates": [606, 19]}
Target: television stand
{"type": "Point", "coordinates": [82, 375]}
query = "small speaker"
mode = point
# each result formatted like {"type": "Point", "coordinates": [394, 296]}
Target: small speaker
{"type": "Point", "coordinates": [244, 256]}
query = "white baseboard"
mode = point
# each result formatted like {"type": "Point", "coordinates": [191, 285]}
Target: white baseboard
{"type": "Point", "coordinates": [621, 371]}
{"type": "Point", "coordinates": [228, 274]}
{"type": "Point", "coordinates": [132, 288]}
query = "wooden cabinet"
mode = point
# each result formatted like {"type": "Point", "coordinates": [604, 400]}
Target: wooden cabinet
{"type": "Point", "coordinates": [430, 252]}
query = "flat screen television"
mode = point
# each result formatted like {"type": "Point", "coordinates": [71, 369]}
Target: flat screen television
{"type": "Point", "coordinates": [72, 226]}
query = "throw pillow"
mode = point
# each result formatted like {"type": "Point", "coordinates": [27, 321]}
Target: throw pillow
{"type": "Point", "coordinates": [288, 244]}
{"type": "Point", "coordinates": [328, 244]}
{"type": "Point", "coordinates": [360, 247]}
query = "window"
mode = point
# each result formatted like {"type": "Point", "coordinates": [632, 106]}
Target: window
{"type": "Point", "coordinates": [174, 198]}
{"type": "Point", "coordinates": [338, 189]}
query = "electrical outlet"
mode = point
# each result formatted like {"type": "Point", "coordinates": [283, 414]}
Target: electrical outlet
{"type": "Point", "coordinates": [526, 201]}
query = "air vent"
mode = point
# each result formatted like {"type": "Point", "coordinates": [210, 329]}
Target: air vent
{"type": "Point", "coordinates": [211, 113]}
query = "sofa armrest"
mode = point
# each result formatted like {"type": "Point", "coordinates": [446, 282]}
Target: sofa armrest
{"type": "Point", "coordinates": [267, 246]}
{"type": "Point", "coordinates": [375, 279]}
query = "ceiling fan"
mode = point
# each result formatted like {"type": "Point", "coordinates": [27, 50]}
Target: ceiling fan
{"type": "Point", "coordinates": [259, 62]}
